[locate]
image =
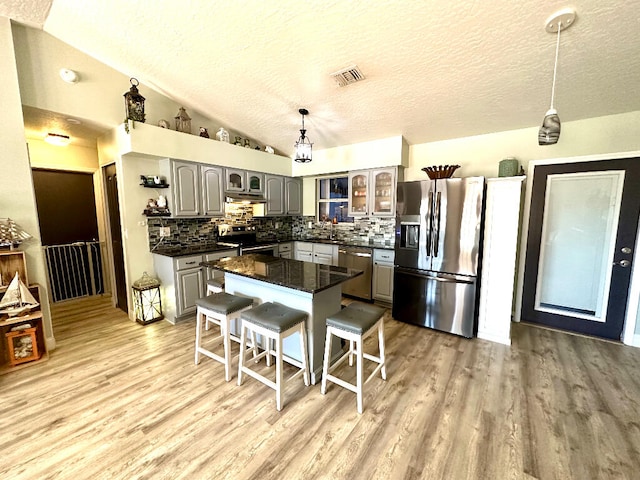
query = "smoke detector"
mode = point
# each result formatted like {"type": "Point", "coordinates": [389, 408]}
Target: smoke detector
{"type": "Point", "coordinates": [348, 75]}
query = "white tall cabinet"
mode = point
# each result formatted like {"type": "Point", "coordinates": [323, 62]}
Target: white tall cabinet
{"type": "Point", "coordinates": [502, 218]}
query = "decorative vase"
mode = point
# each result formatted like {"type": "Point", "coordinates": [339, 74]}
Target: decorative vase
{"type": "Point", "coordinates": [222, 135]}
{"type": "Point", "coordinates": [508, 167]}
{"type": "Point", "coordinates": [204, 133]}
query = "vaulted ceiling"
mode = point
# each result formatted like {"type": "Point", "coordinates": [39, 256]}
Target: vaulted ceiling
{"type": "Point", "coordinates": [434, 69]}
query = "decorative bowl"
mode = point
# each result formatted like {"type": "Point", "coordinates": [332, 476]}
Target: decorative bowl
{"type": "Point", "coordinates": [440, 171]}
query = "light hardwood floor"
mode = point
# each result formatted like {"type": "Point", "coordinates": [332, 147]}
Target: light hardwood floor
{"type": "Point", "coordinates": [119, 400]}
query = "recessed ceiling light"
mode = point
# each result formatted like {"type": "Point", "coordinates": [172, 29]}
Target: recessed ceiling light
{"type": "Point", "coordinates": [73, 121]}
{"type": "Point", "coordinates": [57, 139]}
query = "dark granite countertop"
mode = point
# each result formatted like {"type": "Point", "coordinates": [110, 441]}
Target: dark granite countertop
{"type": "Point", "coordinates": [304, 276]}
{"type": "Point", "coordinates": [179, 251]}
{"type": "Point", "coordinates": [346, 243]}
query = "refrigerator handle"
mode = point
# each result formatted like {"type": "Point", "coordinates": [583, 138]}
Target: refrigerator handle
{"type": "Point", "coordinates": [436, 226]}
{"type": "Point", "coordinates": [438, 278]}
{"type": "Point", "coordinates": [429, 219]}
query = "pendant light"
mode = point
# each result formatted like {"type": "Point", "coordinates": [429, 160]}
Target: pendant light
{"type": "Point", "coordinates": [303, 146]}
{"type": "Point", "coordinates": [549, 132]}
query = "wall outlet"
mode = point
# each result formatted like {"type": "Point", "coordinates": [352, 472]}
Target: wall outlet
{"type": "Point", "coordinates": [165, 231]}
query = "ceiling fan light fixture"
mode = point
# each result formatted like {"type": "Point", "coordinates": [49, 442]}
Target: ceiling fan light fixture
{"type": "Point", "coordinates": [57, 139]}
{"type": "Point", "coordinates": [303, 147]}
{"type": "Point", "coordinates": [549, 132]}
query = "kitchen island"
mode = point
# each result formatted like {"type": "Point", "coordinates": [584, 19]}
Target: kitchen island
{"type": "Point", "coordinates": [310, 287]}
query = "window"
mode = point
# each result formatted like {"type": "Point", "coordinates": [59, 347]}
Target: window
{"type": "Point", "coordinates": [333, 199]}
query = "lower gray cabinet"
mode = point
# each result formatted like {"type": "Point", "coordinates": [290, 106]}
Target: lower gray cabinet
{"type": "Point", "coordinates": [183, 281]}
{"type": "Point", "coordinates": [285, 250]}
{"type": "Point", "coordinates": [383, 275]}
{"type": "Point", "coordinates": [190, 284]}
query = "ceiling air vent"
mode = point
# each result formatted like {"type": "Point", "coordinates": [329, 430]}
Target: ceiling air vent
{"type": "Point", "coordinates": [347, 76]}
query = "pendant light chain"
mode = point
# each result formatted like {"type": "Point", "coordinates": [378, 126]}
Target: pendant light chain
{"type": "Point", "coordinates": [555, 66]}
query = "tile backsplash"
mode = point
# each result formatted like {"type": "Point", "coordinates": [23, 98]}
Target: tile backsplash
{"type": "Point", "coordinates": [185, 232]}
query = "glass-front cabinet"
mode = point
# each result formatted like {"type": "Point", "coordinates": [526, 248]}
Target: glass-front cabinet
{"type": "Point", "coordinates": [255, 182]}
{"type": "Point", "coordinates": [237, 180]}
{"type": "Point", "coordinates": [372, 192]}
{"type": "Point", "coordinates": [359, 193]}
{"type": "Point", "coordinates": [383, 189]}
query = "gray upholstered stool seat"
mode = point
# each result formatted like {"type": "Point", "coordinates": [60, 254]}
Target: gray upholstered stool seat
{"type": "Point", "coordinates": [354, 323]}
{"type": "Point", "coordinates": [215, 285]}
{"type": "Point", "coordinates": [274, 317]}
{"type": "Point", "coordinates": [224, 303]}
{"type": "Point", "coordinates": [356, 318]}
{"type": "Point", "coordinates": [275, 323]}
{"type": "Point", "coordinates": [220, 309]}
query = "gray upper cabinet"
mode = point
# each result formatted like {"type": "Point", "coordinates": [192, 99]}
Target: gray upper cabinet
{"type": "Point", "coordinates": [293, 196]}
{"type": "Point", "coordinates": [195, 189]}
{"type": "Point", "coordinates": [275, 195]}
{"type": "Point", "coordinates": [236, 180]}
{"type": "Point", "coordinates": [255, 182]}
{"type": "Point", "coordinates": [185, 189]}
{"type": "Point", "coordinates": [212, 194]}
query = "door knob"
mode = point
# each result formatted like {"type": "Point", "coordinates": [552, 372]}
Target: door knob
{"type": "Point", "coordinates": [626, 250]}
{"type": "Point", "coordinates": [623, 263]}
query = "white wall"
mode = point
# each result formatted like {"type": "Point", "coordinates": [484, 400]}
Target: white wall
{"type": "Point", "coordinates": [481, 154]}
{"type": "Point", "coordinates": [98, 96]}
{"type": "Point", "coordinates": [17, 199]}
{"type": "Point", "coordinates": [385, 152]}
{"type": "Point", "coordinates": [75, 158]}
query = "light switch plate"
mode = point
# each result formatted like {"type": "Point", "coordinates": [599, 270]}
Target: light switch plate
{"type": "Point", "coordinates": [165, 231]}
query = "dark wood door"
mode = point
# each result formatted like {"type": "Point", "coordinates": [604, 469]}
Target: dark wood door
{"type": "Point", "coordinates": [590, 227]}
{"type": "Point", "coordinates": [113, 207]}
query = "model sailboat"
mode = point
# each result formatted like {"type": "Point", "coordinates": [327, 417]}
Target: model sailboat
{"type": "Point", "coordinates": [17, 300]}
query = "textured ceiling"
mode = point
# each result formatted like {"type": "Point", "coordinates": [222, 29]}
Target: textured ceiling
{"type": "Point", "coordinates": [435, 69]}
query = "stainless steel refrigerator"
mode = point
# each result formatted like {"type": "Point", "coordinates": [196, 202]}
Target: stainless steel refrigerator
{"type": "Point", "coordinates": [437, 253]}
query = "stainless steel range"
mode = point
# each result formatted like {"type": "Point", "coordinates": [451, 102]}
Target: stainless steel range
{"type": "Point", "coordinates": [245, 239]}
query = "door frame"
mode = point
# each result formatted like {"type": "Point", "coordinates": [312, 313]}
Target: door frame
{"type": "Point", "coordinates": [632, 315]}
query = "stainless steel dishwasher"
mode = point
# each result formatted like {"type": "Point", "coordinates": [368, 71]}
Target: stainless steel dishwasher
{"type": "Point", "coordinates": [359, 258]}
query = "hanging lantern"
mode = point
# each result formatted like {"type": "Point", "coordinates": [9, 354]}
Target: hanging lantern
{"type": "Point", "coordinates": [134, 102]}
{"type": "Point", "coordinates": [183, 121]}
{"type": "Point", "coordinates": [147, 303]}
{"type": "Point", "coordinates": [303, 146]}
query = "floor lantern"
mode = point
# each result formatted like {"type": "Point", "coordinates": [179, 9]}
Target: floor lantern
{"type": "Point", "coordinates": [146, 300]}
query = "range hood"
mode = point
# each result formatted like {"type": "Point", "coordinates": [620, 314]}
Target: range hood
{"type": "Point", "coordinates": [246, 198]}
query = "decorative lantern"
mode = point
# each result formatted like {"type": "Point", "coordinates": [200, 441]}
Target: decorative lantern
{"type": "Point", "coordinates": [183, 121]}
{"type": "Point", "coordinates": [134, 102]}
{"type": "Point", "coordinates": [303, 146]}
{"type": "Point", "coordinates": [146, 300]}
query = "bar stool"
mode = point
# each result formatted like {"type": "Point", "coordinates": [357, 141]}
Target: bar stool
{"type": "Point", "coordinates": [274, 322]}
{"type": "Point", "coordinates": [220, 308]}
{"type": "Point", "coordinates": [354, 323]}
{"type": "Point", "coordinates": [215, 285]}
